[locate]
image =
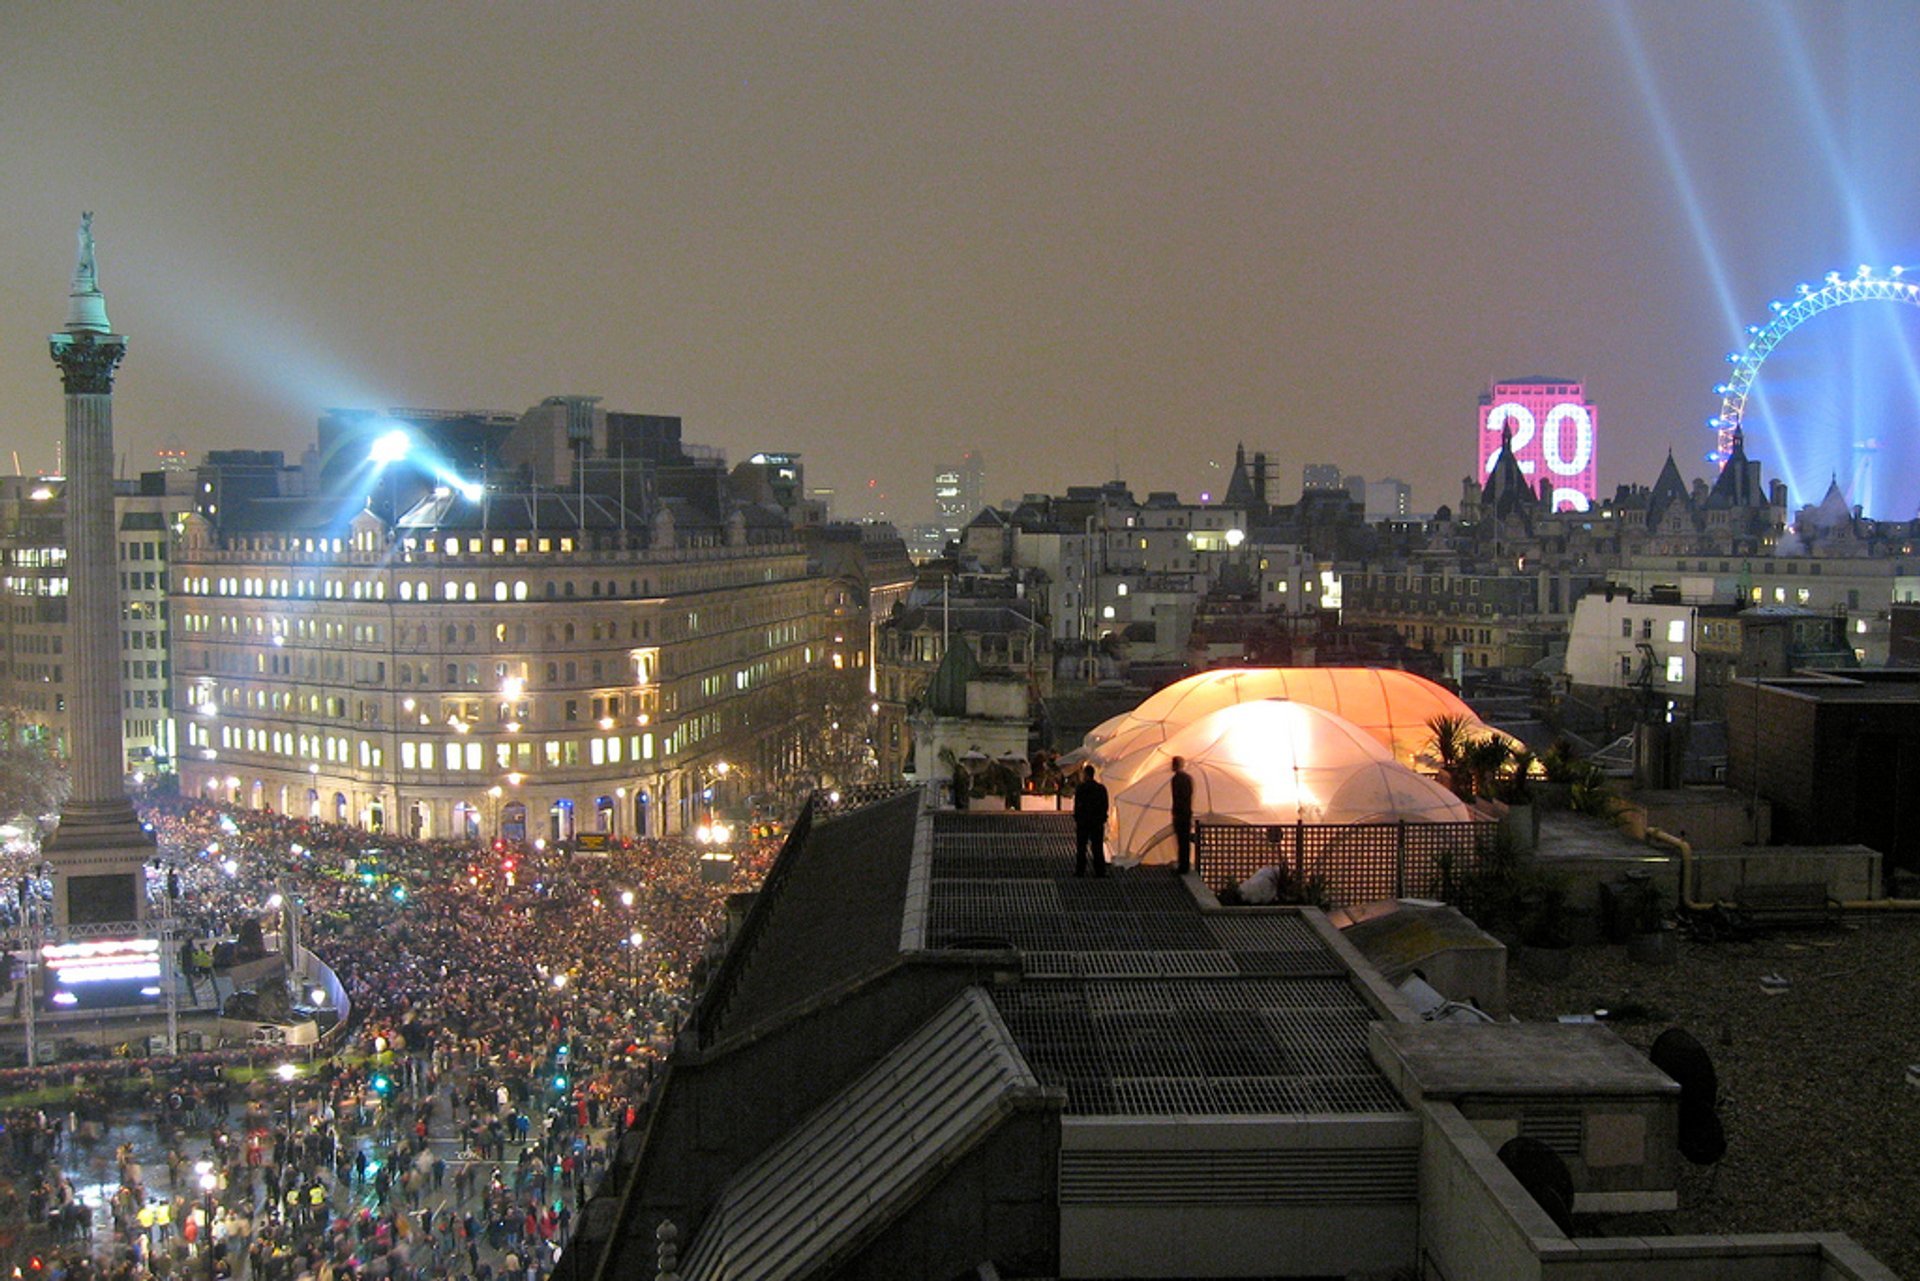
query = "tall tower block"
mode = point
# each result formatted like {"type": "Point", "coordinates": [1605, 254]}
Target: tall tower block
{"type": "Point", "coordinates": [1549, 426]}
{"type": "Point", "coordinates": [99, 852]}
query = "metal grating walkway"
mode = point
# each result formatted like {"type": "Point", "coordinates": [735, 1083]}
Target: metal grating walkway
{"type": "Point", "coordinates": [1135, 1001]}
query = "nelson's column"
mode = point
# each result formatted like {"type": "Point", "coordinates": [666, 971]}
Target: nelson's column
{"type": "Point", "coordinates": [99, 852]}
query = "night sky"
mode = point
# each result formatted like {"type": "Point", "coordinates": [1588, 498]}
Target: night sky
{"type": "Point", "coordinates": [1088, 240]}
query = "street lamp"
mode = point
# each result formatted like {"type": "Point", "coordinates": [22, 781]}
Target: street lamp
{"type": "Point", "coordinates": [288, 1073]}
{"type": "Point", "coordinates": [208, 1182]}
{"type": "Point", "coordinates": [634, 940]}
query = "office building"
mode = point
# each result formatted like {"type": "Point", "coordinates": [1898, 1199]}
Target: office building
{"type": "Point", "coordinates": [958, 492]}
{"type": "Point", "coordinates": [595, 639]}
{"type": "Point", "coordinates": [1549, 426]}
{"type": "Point", "coordinates": [34, 618]}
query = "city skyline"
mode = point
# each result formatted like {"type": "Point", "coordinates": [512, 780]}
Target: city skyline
{"type": "Point", "coordinates": [1056, 234]}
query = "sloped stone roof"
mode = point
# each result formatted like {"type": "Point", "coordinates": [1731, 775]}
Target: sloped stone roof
{"type": "Point", "coordinates": [849, 1167]}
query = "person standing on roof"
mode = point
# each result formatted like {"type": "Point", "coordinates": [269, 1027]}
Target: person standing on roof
{"type": "Point", "coordinates": [1089, 824]}
{"type": "Point", "coordinates": [1181, 796]}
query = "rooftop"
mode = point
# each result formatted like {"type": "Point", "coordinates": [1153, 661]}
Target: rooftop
{"type": "Point", "coordinates": [1450, 1060]}
{"type": "Point", "coordinates": [1137, 998]}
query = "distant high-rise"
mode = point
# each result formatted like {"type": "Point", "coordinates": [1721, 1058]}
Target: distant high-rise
{"type": "Point", "coordinates": [99, 852]}
{"type": "Point", "coordinates": [1321, 476]}
{"type": "Point", "coordinates": [1389, 498]}
{"type": "Point", "coordinates": [1550, 424]}
{"type": "Point", "coordinates": [959, 493]}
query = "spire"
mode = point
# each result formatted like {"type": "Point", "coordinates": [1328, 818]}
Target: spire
{"type": "Point", "coordinates": [1737, 482]}
{"type": "Point", "coordinates": [1669, 483]}
{"type": "Point", "coordinates": [1507, 487]}
{"type": "Point", "coordinates": [1240, 487]}
{"type": "Point", "coordinates": [1668, 489]}
{"type": "Point", "coordinates": [86, 308]}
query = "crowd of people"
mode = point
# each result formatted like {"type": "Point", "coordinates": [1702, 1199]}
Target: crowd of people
{"type": "Point", "coordinates": [510, 1007]}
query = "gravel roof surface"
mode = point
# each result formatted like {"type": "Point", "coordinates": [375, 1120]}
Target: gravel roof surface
{"type": "Point", "coordinates": [1823, 1131]}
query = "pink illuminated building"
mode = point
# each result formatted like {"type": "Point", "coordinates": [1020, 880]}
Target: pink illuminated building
{"type": "Point", "coordinates": [1553, 426]}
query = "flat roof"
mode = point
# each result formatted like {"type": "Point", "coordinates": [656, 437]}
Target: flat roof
{"type": "Point", "coordinates": [1137, 999]}
{"type": "Point", "coordinates": [1450, 1060]}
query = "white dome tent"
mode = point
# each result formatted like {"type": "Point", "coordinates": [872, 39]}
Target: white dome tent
{"type": "Point", "coordinates": [1267, 762]}
{"type": "Point", "coordinates": [1391, 706]}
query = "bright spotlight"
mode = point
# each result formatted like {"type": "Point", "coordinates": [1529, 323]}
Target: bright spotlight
{"type": "Point", "coordinates": [392, 447]}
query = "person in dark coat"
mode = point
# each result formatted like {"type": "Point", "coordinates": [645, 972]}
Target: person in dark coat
{"type": "Point", "coordinates": [1089, 824]}
{"type": "Point", "coordinates": [1181, 794]}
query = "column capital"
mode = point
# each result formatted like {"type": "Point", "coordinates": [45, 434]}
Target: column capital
{"type": "Point", "coordinates": [87, 361]}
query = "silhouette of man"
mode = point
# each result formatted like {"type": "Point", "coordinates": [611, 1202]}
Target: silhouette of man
{"type": "Point", "coordinates": [1182, 797]}
{"type": "Point", "coordinates": [1089, 824]}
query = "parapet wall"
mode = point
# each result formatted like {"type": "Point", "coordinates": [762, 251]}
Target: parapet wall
{"type": "Point", "coordinates": [1477, 1221]}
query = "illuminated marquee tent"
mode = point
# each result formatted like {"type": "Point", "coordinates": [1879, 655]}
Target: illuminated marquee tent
{"type": "Point", "coordinates": [1392, 707]}
{"type": "Point", "coordinates": [1271, 761]}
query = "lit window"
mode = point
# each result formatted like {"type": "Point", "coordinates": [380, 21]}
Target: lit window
{"type": "Point", "coordinates": [1676, 669]}
{"type": "Point", "coordinates": [1677, 631]}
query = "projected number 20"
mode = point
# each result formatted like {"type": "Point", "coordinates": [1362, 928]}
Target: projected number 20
{"type": "Point", "coordinates": [1565, 446]}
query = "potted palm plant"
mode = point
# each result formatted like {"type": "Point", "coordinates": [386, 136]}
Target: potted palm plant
{"type": "Point", "coordinates": [1449, 745]}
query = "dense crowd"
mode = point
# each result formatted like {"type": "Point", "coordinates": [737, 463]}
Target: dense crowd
{"type": "Point", "coordinates": [505, 1029]}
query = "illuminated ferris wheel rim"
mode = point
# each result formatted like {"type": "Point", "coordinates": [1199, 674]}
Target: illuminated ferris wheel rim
{"type": "Point", "coordinates": [1863, 286]}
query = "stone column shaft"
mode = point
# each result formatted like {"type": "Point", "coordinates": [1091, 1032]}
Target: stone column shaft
{"type": "Point", "coordinates": [93, 614]}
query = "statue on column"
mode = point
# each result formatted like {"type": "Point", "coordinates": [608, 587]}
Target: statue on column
{"type": "Point", "coordinates": [84, 279]}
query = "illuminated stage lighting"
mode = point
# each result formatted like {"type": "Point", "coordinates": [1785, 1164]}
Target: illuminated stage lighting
{"type": "Point", "coordinates": [391, 447]}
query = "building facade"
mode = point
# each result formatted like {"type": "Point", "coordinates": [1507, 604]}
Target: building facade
{"type": "Point", "coordinates": [447, 681]}
{"type": "Point", "coordinates": [1475, 617]}
{"type": "Point", "coordinates": [522, 659]}
{"type": "Point", "coordinates": [34, 624]}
